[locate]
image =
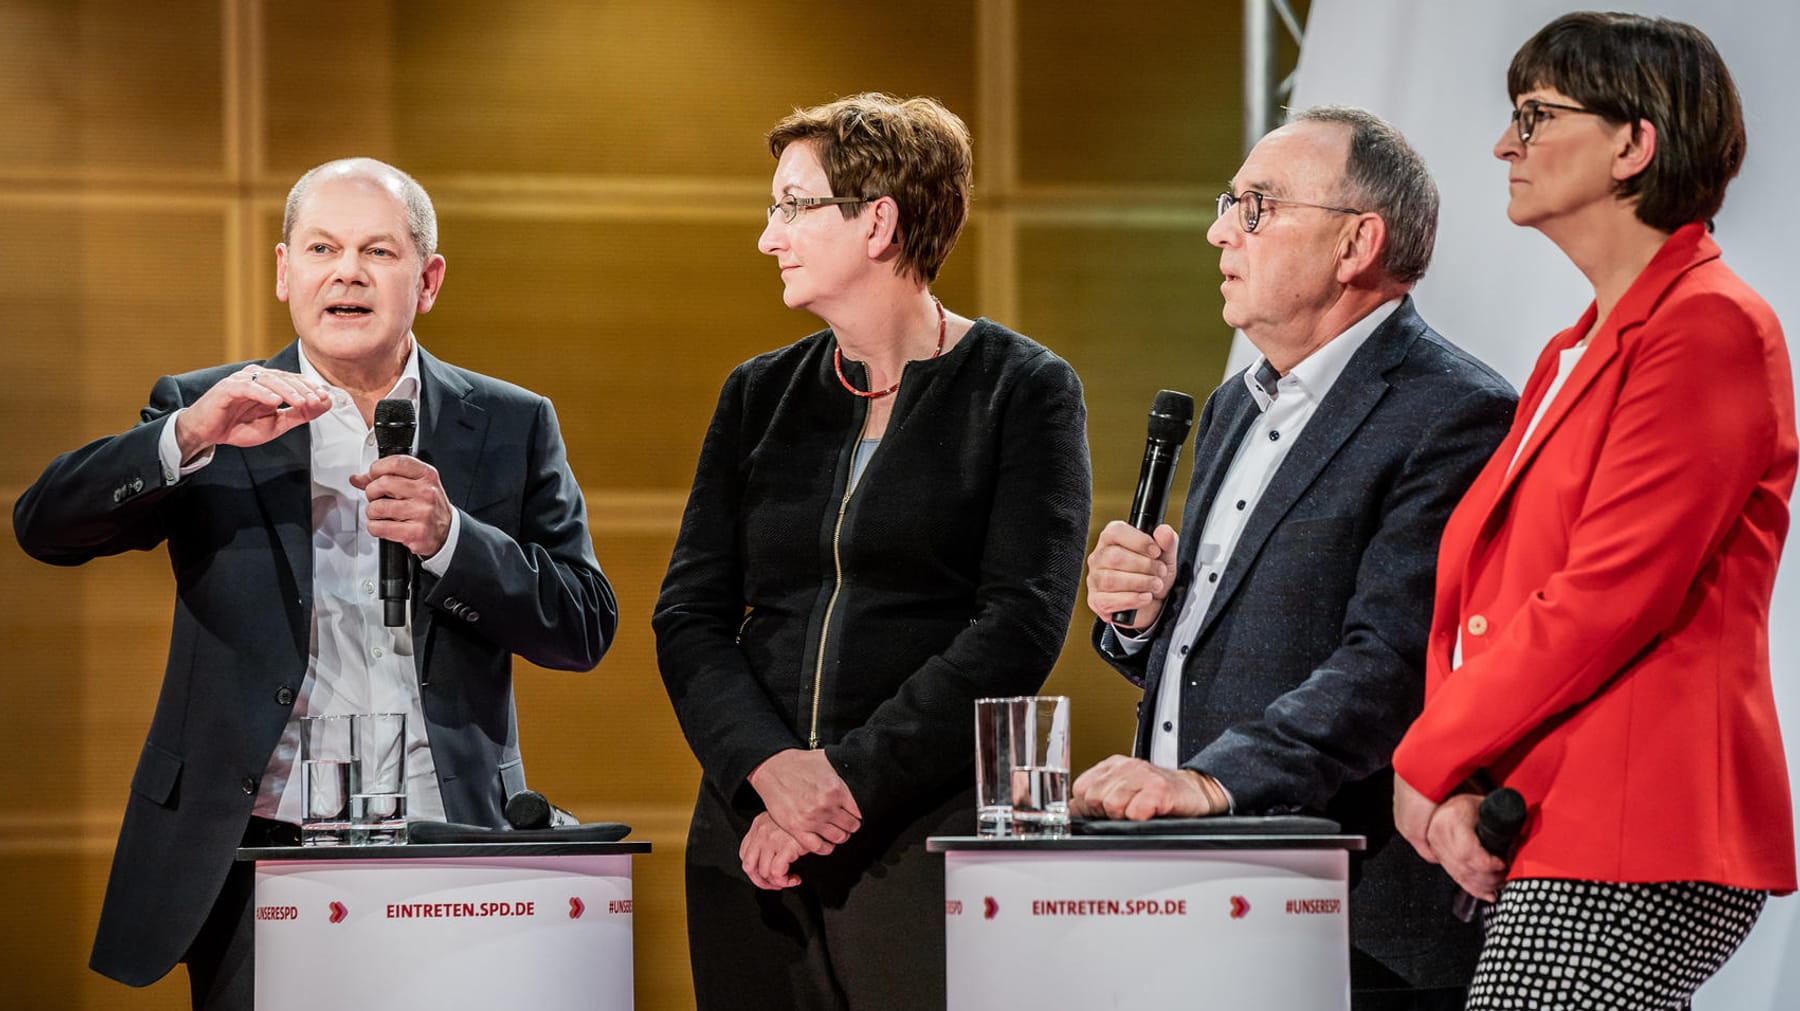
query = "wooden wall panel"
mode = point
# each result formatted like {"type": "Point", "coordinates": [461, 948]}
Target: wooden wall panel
{"type": "Point", "coordinates": [629, 326]}
{"type": "Point", "coordinates": [98, 87]}
{"type": "Point", "coordinates": [1141, 95]}
{"type": "Point", "coordinates": [1134, 310]}
{"type": "Point", "coordinates": [53, 946]}
{"type": "Point", "coordinates": [680, 88]}
{"type": "Point", "coordinates": [102, 296]}
{"type": "Point", "coordinates": [41, 291]}
{"type": "Point", "coordinates": [607, 739]}
{"type": "Point", "coordinates": [325, 86]}
{"type": "Point", "coordinates": [41, 696]}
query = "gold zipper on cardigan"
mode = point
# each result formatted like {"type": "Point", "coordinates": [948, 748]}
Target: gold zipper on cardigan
{"type": "Point", "coordinates": [837, 586]}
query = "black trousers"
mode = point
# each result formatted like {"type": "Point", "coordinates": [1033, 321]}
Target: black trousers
{"type": "Point", "coordinates": [863, 931]}
{"type": "Point", "coordinates": [221, 961]}
{"type": "Point", "coordinates": [1434, 999]}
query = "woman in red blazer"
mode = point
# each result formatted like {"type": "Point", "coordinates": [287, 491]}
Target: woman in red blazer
{"type": "Point", "coordinates": [1600, 638]}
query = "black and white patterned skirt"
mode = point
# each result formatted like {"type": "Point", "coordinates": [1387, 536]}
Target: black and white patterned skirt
{"type": "Point", "coordinates": [1561, 945]}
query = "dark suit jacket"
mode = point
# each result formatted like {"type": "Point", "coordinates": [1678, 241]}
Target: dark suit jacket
{"type": "Point", "coordinates": [523, 580]}
{"type": "Point", "coordinates": [1310, 662]}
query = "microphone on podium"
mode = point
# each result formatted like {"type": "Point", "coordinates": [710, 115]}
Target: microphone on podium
{"type": "Point", "coordinates": [529, 809]}
{"type": "Point", "coordinates": [1497, 825]}
{"type": "Point", "coordinates": [1171, 415]}
{"type": "Point", "coordinates": [395, 424]}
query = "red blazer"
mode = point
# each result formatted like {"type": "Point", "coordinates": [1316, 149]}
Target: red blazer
{"type": "Point", "coordinates": [1612, 591]}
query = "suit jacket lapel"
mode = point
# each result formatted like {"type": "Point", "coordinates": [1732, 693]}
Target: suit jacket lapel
{"type": "Point", "coordinates": [1232, 413]}
{"type": "Point", "coordinates": [1599, 353]}
{"type": "Point", "coordinates": [1686, 249]}
{"type": "Point", "coordinates": [452, 431]}
{"type": "Point", "coordinates": [452, 434]}
{"type": "Point", "coordinates": [1212, 458]}
{"type": "Point", "coordinates": [1355, 393]}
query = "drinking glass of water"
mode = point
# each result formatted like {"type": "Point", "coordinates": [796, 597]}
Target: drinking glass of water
{"type": "Point", "coordinates": [353, 779]}
{"type": "Point", "coordinates": [993, 766]}
{"type": "Point", "coordinates": [327, 778]}
{"type": "Point", "coordinates": [1039, 739]}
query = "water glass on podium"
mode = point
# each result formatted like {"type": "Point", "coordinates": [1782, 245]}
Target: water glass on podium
{"type": "Point", "coordinates": [993, 767]}
{"type": "Point", "coordinates": [378, 806]}
{"type": "Point", "coordinates": [353, 779]}
{"type": "Point", "coordinates": [1039, 745]}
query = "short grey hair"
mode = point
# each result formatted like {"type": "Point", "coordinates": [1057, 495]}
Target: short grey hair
{"type": "Point", "coordinates": [1384, 175]}
{"type": "Point", "coordinates": [421, 217]}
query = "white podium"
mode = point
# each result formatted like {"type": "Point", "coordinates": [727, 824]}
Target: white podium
{"type": "Point", "coordinates": [1146, 921]}
{"type": "Point", "coordinates": [479, 926]}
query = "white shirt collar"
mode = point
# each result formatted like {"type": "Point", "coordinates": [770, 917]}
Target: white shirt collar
{"type": "Point", "coordinates": [406, 387]}
{"type": "Point", "coordinates": [1318, 371]}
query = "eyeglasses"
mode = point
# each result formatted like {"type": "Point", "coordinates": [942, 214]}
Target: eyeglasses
{"type": "Point", "coordinates": [1250, 207]}
{"type": "Point", "coordinates": [1531, 112]}
{"type": "Point", "coordinates": [790, 206]}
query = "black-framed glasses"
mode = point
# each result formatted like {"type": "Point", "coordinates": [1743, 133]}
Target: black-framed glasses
{"type": "Point", "coordinates": [1531, 112]}
{"type": "Point", "coordinates": [1250, 207]}
{"type": "Point", "coordinates": [790, 206]}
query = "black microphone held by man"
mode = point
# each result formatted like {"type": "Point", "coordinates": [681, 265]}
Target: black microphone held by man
{"type": "Point", "coordinates": [1171, 415]}
{"type": "Point", "coordinates": [396, 422]}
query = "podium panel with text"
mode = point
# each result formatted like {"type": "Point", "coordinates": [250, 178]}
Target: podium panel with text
{"type": "Point", "coordinates": [1207, 921]}
{"type": "Point", "coordinates": [500, 925]}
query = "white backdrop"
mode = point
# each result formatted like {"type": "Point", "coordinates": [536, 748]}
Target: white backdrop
{"type": "Point", "coordinates": [1438, 71]}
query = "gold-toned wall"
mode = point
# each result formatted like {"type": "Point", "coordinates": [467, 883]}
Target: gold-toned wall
{"type": "Point", "coordinates": [599, 173]}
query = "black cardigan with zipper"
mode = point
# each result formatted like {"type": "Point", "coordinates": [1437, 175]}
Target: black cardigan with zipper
{"type": "Point", "coordinates": [795, 615]}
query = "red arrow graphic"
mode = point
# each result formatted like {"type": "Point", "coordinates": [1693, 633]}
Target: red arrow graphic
{"type": "Point", "coordinates": [1240, 907]}
{"type": "Point", "coordinates": [989, 907]}
{"type": "Point", "coordinates": [576, 907]}
{"type": "Point", "coordinates": [338, 912]}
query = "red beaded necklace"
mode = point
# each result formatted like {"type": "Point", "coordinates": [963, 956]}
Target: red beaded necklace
{"type": "Point", "coordinates": [837, 359]}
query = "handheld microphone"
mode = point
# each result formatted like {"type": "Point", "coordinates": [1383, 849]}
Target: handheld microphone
{"type": "Point", "coordinates": [395, 424]}
{"type": "Point", "coordinates": [1497, 825]}
{"type": "Point", "coordinates": [1171, 415]}
{"type": "Point", "coordinates": [528, 809]}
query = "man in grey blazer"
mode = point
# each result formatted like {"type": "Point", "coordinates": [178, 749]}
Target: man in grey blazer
{"type": "Point", "coordinates": [1280, 639]}
{"type": "Point", "coordinates": [264, 482]}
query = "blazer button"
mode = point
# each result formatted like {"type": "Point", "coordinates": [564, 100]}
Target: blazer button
{"type": "Point", "coordinates": [472, 616]}
{"type": "Point", "coordinates": [1477, 624]}
{"type": "Point", "coordinates": [284, 696]}
{"type": "Point", "coordinates": [249, 785]}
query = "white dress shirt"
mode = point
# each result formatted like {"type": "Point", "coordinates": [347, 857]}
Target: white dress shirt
{"type": "Point", "coordinates": [355, 663]}
{"type": "Point", "coordinates": [1284, 414]}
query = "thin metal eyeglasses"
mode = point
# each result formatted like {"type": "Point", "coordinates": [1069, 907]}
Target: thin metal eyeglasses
{"type": "Point", "coordinates": [1250, 207]}
{"type": "Point", "coordinates": [790, 206]}
{"type": "Point", "coordinates": [1531, 111]}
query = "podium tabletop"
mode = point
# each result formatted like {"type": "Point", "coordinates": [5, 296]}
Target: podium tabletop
{"type": "Point", "coordinates": [417, 851]}
{"type": "Point", "coordinates": [1144, 843]}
